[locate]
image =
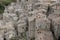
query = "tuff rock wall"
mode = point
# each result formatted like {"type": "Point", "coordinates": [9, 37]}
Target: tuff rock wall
{"type": "Point", "coordinates": [31, 20]}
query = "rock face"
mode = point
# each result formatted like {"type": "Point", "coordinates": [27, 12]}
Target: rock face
{"type": "Point", "coordinates": [1, 34]}
{"type": "Point", "coordinates": [43, 35]}
{"type": "Point", "coordinates": [31, 20]}
{"type": "Point", "coordinates": [56, 28]}
{"type": "Point", "coordinates": [42, 22]}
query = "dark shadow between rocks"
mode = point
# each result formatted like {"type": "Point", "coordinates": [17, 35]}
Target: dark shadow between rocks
{"type": "Point", "coordinates": [59, 38]}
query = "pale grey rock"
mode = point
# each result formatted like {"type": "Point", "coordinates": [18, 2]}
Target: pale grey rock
{"type": "Point", "coordinates": [23, 16]}
{"type": "Point", "coordinates": [29, 6]}
{"type": "Point", "coordinates": [43, 35]}
{"type": "Point", "coordinates": [2, 23]}
{"type": "Point", "coordinates": [1, 34]}
{"type": "Point", "coordinates": [52, 18]}
{"type": "Point", "coordinates": [9, 26]}
{"type": "Point", "coordinates": [1, 16]}
{"type": "Point", "coordinates": [21, 26]}
{"type": "Point", "coordinates": [54, 15]}
{"type": "Point", "coordinates": [40, 16]}
{"type": "Point", "coordinates": [56, 27]}
{"type": "Point", "coordinates": [31, 29]}
{"type": "Point", "coordinates": [42, 22]}
{"type": "Point", "coordinates": [9, 30]}
{"type": "Point", "coordinates": [10, 34]}
{"type": "Point", "coordinates": [39, 6]}
{"type": "Point", "coordinates": [11, 7]}
{"type": "Point", "coordinates": [10, 17]}
{"type": "Point", "coordinates": [30, 15]}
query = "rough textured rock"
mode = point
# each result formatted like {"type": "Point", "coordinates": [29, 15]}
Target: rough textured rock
{"type": "Point", "coordinates": [31, 23]}
{"type": "Point", "coordinates": [43, 35]}
{"type": "Point", "coordinates": [42, 22]}
{"type": "Point", "coordinates": [21, 26]}
{"type": "Point", "coordinates": [10, 34]}
{"type": "Point", "coordinates": [30, 20]}
{"type": "Point", "coordinates": [10, 17]}
{"type": "Point", "coordinates": [54, 15]}
{"type": "Point", "coordinates": [1, 34]}
{"type": "Point", "coordinates": [9, 30]}
{"type": "Point", "coordinates": [56, 27]}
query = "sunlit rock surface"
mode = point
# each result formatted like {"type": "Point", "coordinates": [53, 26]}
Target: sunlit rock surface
{"type": "Point", "coordinates": [43, 35]}
{"type": "Point", "coordinates": [30, 20]}
{"type": "Point", "coordinates": [56, 27]}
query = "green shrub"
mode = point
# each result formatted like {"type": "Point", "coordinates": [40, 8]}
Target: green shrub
{"type": "Point", "coordinates": [1, 8]}
{"type": "Point", "coordinates": [4, 3]}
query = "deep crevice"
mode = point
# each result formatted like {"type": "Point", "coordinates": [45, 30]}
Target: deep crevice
{"type": "Point", "coordinates": [27, 25]}
{"type": "Point", "coordinates": [48, 10]}
{"type": "Point", "coordinates": [16, 28]}
{"type": "Point", "coordinates": [52, 30]}
{"type": "Point", "coordinates": [59, 38]}
{"type": "Point", "coordinates": [4, 38]}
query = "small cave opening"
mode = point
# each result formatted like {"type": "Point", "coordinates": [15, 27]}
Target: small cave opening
{"type": "Point", "coordinates": [59, 38]}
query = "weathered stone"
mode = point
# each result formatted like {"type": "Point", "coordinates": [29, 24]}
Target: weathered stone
{"type": "Point", "coordinates": [42, 22]}
{"type": "Point", "coordinates": [28, 19]}
{"type": "Point", "coordinates": [54, 15]}
{"type": "Point", "coordinates": [10, 17]}
{"type": "Point", "coordinates": [10, 34]}
{"type": "Point", "coordinates": [9, 30]}
{"type": "Point", "coordinates": [1, 16]}
{"type": "Point", "coordinates": [21, 26]}
{"type": "Point", "coordinates": [1, 34]}
{"type": "Point", "coordinates": [2, 23]}
{"type": "Point", "coordinates": [31, 22]}
{"type": "Point", "coordinates": [29, 6]}
{"type": "Point", "coordinates": [43, 35]}
{"type": "Point", "coordinates": [56, 27]}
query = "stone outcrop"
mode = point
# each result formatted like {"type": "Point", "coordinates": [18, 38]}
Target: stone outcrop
{"type": "Point", "coordinates": [30, 20]}
{"type": "Point", "coordinates": [43, 35]}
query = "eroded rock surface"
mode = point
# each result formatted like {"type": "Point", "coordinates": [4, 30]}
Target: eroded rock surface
{"type": "Point", "coordinates": [30, 20]}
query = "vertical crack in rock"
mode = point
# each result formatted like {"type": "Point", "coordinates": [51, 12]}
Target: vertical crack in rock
{"type": "Point", "coordinates": [51, 28]}
{"type": "Point", "coordinates": [33, 25]}
{"type": "Point", "coordinates": [4, 38]}
{"type": "Point", "coordinates": [4, 35]}
{"type": "Point", "coordinates": [59, 38]}
{"type": "Point", "coordinates": [27, 25]}
{"type": "Point", "coordinates": [48, 11]}
{"type": "Point", "coordinates": [16, 28]}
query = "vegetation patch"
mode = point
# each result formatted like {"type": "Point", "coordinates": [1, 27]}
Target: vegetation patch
{"type": "Point", "coordinates": [4, 3]}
